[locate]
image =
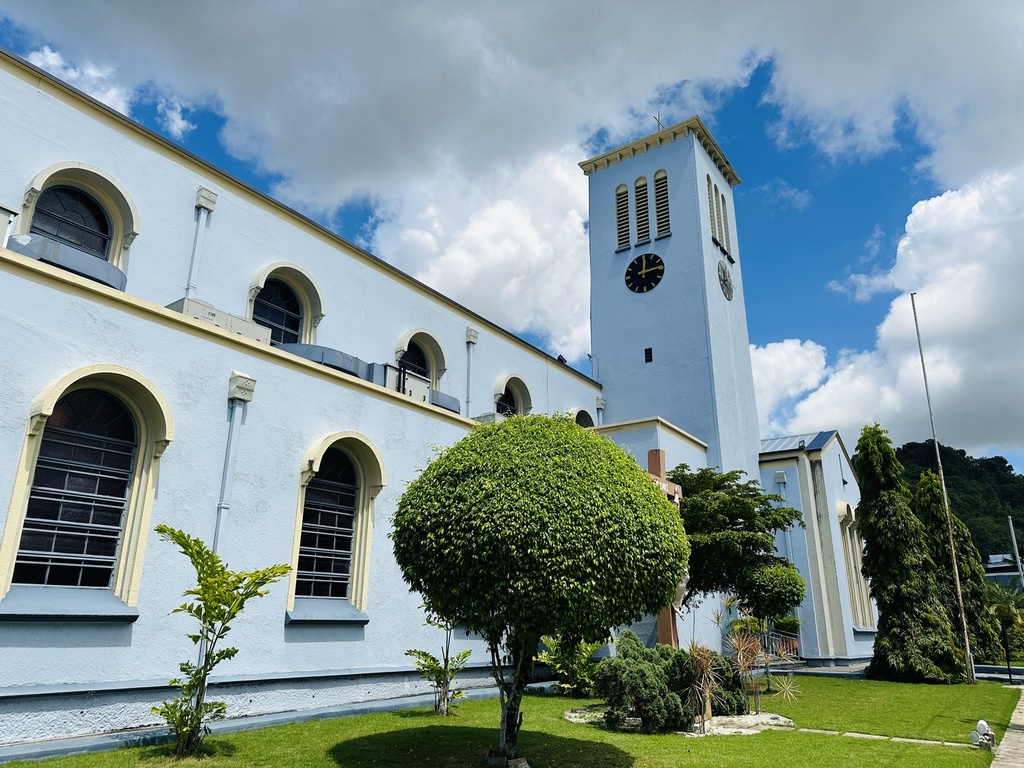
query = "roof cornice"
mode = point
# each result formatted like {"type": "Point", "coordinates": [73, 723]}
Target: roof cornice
{"type": "Point", "coordinates": [694, 126]}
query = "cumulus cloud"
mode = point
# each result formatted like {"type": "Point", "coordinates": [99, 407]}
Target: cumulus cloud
{"type": "Point", "coordinates": [171, 112]}
{"type": "Point", "coordinates": [783, 371]}
{"type": "Point", "coordinates": [961, 257]}
{"type": "Point", "coordinates": [461, 123]}
{"type": "Point", "coordinates": [98, 82]}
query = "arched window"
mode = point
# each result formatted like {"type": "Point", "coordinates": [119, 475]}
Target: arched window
{"type": "Point", "coordinates": [286, 299]}
{"type": "Point", "coordinates": [507, 405]}
{"type": "Point", "coordinates": [69, 215]}
{"type": "Point", "coordinates": [278, 308]}
{"type": "Point", "coordinates": [341, 475]}
{"type": "Point", "coordinates": [511, 397]}
{"type": "Point", "coordinates": [328, 527]}
{"type": "Point", "coordinates": [643, 214]}
{"type": "Point", "coordinates": [661, 203]}
{"type": "Point", "coordinates": [79, 495]}
{"type": "Point", "coordinates": [414, 359]}
{"type": "Point", "coordinates": [583, 418]}
{"type": "Point", "coordinates": [718, 217]}
{"type": "Point", "coordinates": [725, 227]}
{"type": "Point", "coordinates": [75, 535]}
{"type": "Point", "coordinates": [84, 207]}
{"type": "Point", "coordinates": [711, 207]}
{"type": "Point", "coordinates": [622, 217]}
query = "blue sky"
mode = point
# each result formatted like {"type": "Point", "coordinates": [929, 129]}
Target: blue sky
{"type": "Point", "coordinates": [444, 138]}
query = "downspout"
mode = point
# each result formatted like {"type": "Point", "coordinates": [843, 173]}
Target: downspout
{"type": "Point", "coordinates": [599, 406]}
{"type": "Point", "coordinates": [471, 338]}
{"type": "Point", "coordinates": [205, 202]}
{"type": "Point", "coordinates": [240, 390]}
{"type": "Point", "coordinates": [11, 216]}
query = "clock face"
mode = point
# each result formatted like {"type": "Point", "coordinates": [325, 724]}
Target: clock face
{"type": "Point", "coordinates": [725, 280]}
{"type": "Point", "coordinates": [644, 272]}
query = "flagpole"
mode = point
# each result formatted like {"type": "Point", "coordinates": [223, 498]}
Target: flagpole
{"type": "Point", "coordinates": [968, 658]}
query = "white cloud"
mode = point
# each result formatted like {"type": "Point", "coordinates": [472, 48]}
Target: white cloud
{"type": "Point", "coordinates": [445, 116]}
{"type": "Point", "coordinates": [779, 193]}
{"type": "Point", "coordinates": [171, 111]}
{"type": "Point", "coordinates": [783, 371]}
{"type": "Point", "coordinates": [98, 82]}
{"type": "Point", "coordinates": [961, 256]}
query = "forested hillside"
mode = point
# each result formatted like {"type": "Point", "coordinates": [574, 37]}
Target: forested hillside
{"type": "Point", "coordinates": [982, 492]}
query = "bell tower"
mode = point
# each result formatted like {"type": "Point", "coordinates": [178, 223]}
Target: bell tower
{"type": "Point", "coordinates": [668, 323]}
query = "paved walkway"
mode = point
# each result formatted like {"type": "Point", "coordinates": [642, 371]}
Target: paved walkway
{"type": "Point", "coordinates": [1010, 751]}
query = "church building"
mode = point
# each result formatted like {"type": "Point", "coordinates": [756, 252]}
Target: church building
{"type": "Point", "coordinates": [181, 349]}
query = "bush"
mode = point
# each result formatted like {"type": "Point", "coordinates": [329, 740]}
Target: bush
{"type": "Point", "coordinates": [651, 684]}
{"type": "Point", "coordinates": [570, 661]}
{"type": "Point", "coordinates": [637, 689]}
{"type": "Point", "coordinates": [789, 624]}
{"type": "Point", "coordinates": [217, 599]}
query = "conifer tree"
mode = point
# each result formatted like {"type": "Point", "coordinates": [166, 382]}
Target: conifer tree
{"type": "Point", "coordinates": [915, 640]}
{"type": "Point", "coordinates": [931, 511]}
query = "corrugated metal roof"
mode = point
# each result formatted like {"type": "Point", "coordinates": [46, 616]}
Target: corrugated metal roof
{"type": "Point", "coordinates": [813, 441]}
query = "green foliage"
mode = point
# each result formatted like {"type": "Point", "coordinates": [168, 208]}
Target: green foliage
{"type": "Point", "coordinates": [915, 640]}
{"type": "Point", "coordinates": [665, 688]}
{"type": "Point", "coordinates": [634, 683]}
{"type": "Point", "coordinates": [789, 624]}
{"type": "Point", "coordinates": [931, 511]}
{"type": "Point", "coordinates": [220, 595]}
{"type": "Point", "coordinates": [441, 672]}
{"type": "Point", "coordinates": [732, 525]}
{"type": "Point", "coordinates": [1006, 607]}
{"type": "Point", "coordinates": [535, 526]}
{"type": "Point", "coordinates": [982, 492]}
{"type": "Point", "coordinates": [773, 590]}
{"type": "Point", "coordinates": [570, 660]}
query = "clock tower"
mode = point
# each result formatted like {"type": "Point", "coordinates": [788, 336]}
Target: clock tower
{"type": "Point", "coordinates": [668, 324]}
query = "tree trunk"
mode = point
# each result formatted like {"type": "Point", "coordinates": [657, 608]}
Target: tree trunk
{"type": "Point", "coordinates": [522, 649]}
{"type": "Point", "coordinates": [1006, 651]}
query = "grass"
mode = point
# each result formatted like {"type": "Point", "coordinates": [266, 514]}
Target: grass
{"type": "Point", "coordinates": [419, 738]}
{"type": "Point", "coordinates": [935, 712]}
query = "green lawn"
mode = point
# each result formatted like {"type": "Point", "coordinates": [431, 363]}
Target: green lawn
{"type": "Point", "coordinates": [937, 712]}
{"type": "Point", "coordinates": [418, 738]}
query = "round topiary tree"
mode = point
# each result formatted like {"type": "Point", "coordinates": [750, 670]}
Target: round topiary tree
{"type": "Point", "coordinates": [536, 526]}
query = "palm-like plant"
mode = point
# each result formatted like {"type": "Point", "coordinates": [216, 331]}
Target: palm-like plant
{"type": "Point", "coordinates": [1007, 608]}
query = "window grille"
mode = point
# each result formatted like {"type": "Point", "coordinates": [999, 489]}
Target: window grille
{"type": "Point", "coordinates": [507, 405]}
{"type": "Point", "coordinates": [622, 216]}
{"type": "Point", "coordinates": [643, 216]}
{"type": "Point", "coordinates": [69, 215]}
{"type": "Point", "coordinates": [79, 493]}
{"type": "Point", "coordinates": [661, 202]}
{"type": "Point", "coordinates": [415, 360]}
{"type": "Point", "coordinates": [278, 308]}
{"type": "Point", "coordinates": [328, 527]}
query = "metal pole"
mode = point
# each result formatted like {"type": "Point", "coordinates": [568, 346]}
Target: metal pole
{"type": "Point", "coordinates": [968, 658]}
{"type": "Point", "coordinates": [1016, 555]}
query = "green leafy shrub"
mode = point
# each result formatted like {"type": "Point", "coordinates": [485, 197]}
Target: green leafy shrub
{"type": "Point", "coordinates": [664, 687]}
{"type": "Point", "coordinates": [570, 659]}
{"type": "Point", "coordinates": [220, 595]}
{"type": "Point", "coordinates": [441, 672]}
{"type": "Point", "coordinates": [789, 624]}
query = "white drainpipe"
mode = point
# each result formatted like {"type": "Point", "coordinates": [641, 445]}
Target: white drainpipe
{"type": "Point", "coordinates": [205, 202]}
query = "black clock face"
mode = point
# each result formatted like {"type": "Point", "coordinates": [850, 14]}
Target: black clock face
{"type": "Point", "coordinates": [644, 272]}
{"type": "Point", "coordinates": [725, 280]}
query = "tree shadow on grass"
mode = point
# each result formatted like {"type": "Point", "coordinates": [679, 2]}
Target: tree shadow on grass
{"type": "Point", "coordinates": [464, 747]}
{"type": "Point", "coordinates": [210, 748]}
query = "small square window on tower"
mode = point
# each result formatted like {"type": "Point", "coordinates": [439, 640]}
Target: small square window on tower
{"type": "Point", "coordinates": [649, 355]}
